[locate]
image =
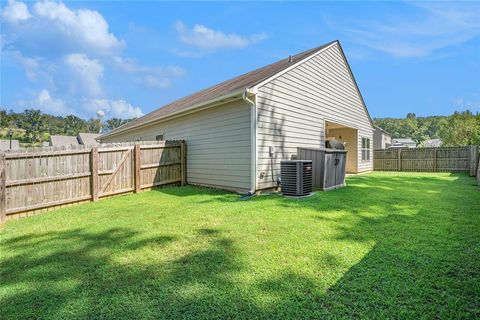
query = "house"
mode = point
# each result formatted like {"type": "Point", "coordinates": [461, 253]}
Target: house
{"type": "Point", "coordinates": [88, 139]}
{"type": "Point", "coordinates": [5, 145]}
{"type": "Point", "coordinates": [403, 143]}
{"type": "Point", "coordinates": [85, 139]}
{"type": "Point", "coordinates": [381, 139]}
{"type": "Point", "coordinates": [63, 141]}
{"type": "Point", "coordinates": [238, 131]}
{"type": "Point", "coordinates": [432, 143]}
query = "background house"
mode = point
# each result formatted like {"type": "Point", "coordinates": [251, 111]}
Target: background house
{"type": "Point", "coordinates": [381, 139]}
{"type": "Point", "coordinates": [63, 141]}
{"type": "Point", "coordinates": [432, 143]}
{"type": "Point", "coordinates": [403, 143]}
{"type": "Point", "coordinates": [238, 131]}
{"type": "Point", "coordinates": [86, 139]}
{"type": "Point", "coordinates": [5, 145]}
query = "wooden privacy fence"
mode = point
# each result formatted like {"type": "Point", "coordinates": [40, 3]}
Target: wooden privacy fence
{"type": "Point", "coordinates": [35, 180]}
{"type": "Point", "coordinates": [446, 159]}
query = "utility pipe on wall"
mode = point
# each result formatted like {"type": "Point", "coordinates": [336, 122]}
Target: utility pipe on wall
{"type": "Point", "coordinates": [253, 133]}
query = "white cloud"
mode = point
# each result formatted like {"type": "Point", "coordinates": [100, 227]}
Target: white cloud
{"type": "Point", "coordinates": [68, 52]}
{"type": "Point", "coordinates": [86, 27]}
{"type": "Point", "coordinates": [205, 38]}
{"type": "Point", "coordinates": [87, 74]}
{"type": "Point", "coordinates": [53, 29]}
{"type": "Point", "coordinates": [46, 103]}
{"type": "Point", "coordinates": [436, 26]}
{"type": "Point", "coordinates": [30, 65]}
{"type": "Point", "coordinates": [151, 77]}
{"type": "Point", "coordinates": [15, 12]}
{"type": "Point", "coordinates": [114, 108]}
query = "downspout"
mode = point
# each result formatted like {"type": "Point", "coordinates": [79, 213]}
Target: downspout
{"type": "Point", "coordinates": [253, 134]}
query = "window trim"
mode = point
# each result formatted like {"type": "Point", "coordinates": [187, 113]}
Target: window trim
{"type": "Point", "coordinates": [162, 135]}
{"type": "Point", "coordinates": [368, 149]}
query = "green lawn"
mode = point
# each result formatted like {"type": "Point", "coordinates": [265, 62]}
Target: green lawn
{"type": "Point", "coordinates": [403, 246]}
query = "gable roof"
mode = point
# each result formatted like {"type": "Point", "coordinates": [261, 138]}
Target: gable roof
{"type": "Point", "coordinates": [60, 141]}
{"type": "Point", "coordinates": [88, 139]}
{"type": "Point", "coordinates": [383, 130]}
{"type": "Point", "coordinates": [403, 140]}
{"type": "Point", "coordinates": [225, 88]}
{"type": "Point", "coordinates": [231, 87]}
{"type": "Point", "coordinates": [432, 143]}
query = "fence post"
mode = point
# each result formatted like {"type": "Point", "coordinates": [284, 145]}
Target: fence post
{"type": "Point", "coordinates": [435, 160]}
{"type": "Point", "coordinates": [399, 159]}
{"type": "Point", "coordinates": [183, 160]}
{"type": "Point", "coordinates": [478, 172]}
{"type": "Point", "coordinates": [137, 172]}
{"type": "Point", "coordinates": [94, 173]}
{"type": "Point", "coordinates": [3, 189]}
{"type": "Point", "coordinates": [473, 160]}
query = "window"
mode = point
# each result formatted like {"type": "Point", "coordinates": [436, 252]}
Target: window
{"type": "Point", "coordinates": [159, 137]}
{"type": "Point", "coordinates": [365, 149]}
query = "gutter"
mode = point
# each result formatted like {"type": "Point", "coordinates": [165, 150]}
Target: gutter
{"type": "Point", "coordinates": [253, 144]}
{"type": "Point", "coordinates": [193, 108]}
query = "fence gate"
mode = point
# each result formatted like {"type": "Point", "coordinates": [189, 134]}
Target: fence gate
{"type": "Point", "coordinates": [115, 171]}
{"type": "Point", "coordinates": [32, 181]}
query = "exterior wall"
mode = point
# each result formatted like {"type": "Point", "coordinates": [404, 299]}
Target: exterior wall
{"type": "Point", "coordinates": [377, 139]}
{"type": "Point", "coordinates": [381, 140]}
{"type": "Point", "coordinates": [218, 144]}
{"type": "Point", "coordinates": [293, 107]}
{"type": "Point", "coordinates": [350, 137]}
{"type": "Point", "coordinates": [387, 141]}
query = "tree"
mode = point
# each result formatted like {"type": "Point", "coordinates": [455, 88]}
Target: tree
{"type": "Point", "coordinates": [411, 115]}
{"type": "Point", "coordinates": [113, 123]}
{"type": "Point", "coordinates": [4, 119]}
{"type": "Point", "coordinates": [56, 124]}
{"type": "Point", "coordinates": [417, 128]}
{"type": "Point", "coordinates": [74, 125]}
{"type": "Point", "coordinates": [34, 122]}
{"type": "Point", "coordinates": [461, 129]}
{"type": "Point", "coordinates": [93, 125]}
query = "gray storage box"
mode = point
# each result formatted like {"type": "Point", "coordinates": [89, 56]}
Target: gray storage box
{"type": "Point", "coordinates": [328, 166]}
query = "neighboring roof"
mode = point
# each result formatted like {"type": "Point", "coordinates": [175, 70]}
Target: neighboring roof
{"type": "Point", "coordinates": [225, 88]}
{"type": "Point", "coordinates": [383, 130]}
{"type": "Point", "coordinates": [5, 145]}
{"type": "Point", "coordinates": [432, 143]}
{"type": "Point", "coordinates": [60, 141]}
{"type": "Point", "coordinates": [88, 139]}
{"type": "Point", "coordinates": [403, 140]}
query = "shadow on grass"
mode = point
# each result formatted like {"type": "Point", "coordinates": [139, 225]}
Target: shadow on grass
{"type": "Point", "coordinates": [424, 264]}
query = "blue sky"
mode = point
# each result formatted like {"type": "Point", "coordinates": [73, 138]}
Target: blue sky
{"type": "Point", "coordinates": [129, 58]}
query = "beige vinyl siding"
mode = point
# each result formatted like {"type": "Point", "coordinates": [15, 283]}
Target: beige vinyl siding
{"type": "Point", "coordinates": [293, 108]}
{"type": "Point", "coordinates": [218, 144]}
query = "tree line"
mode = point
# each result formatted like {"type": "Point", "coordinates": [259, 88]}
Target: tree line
{"type": "Point", "coordinates": [459, 129]}
{"type": "Point", "coordinates": [33, 126]}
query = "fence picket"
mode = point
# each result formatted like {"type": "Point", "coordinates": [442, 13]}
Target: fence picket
{"type": "Point", "coordinates": [35, 180]}
{"type": "Point", "coordinates": [447, 159]}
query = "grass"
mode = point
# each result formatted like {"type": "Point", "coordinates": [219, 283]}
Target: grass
{"type": "Point", "coordinates": [403, 246]}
